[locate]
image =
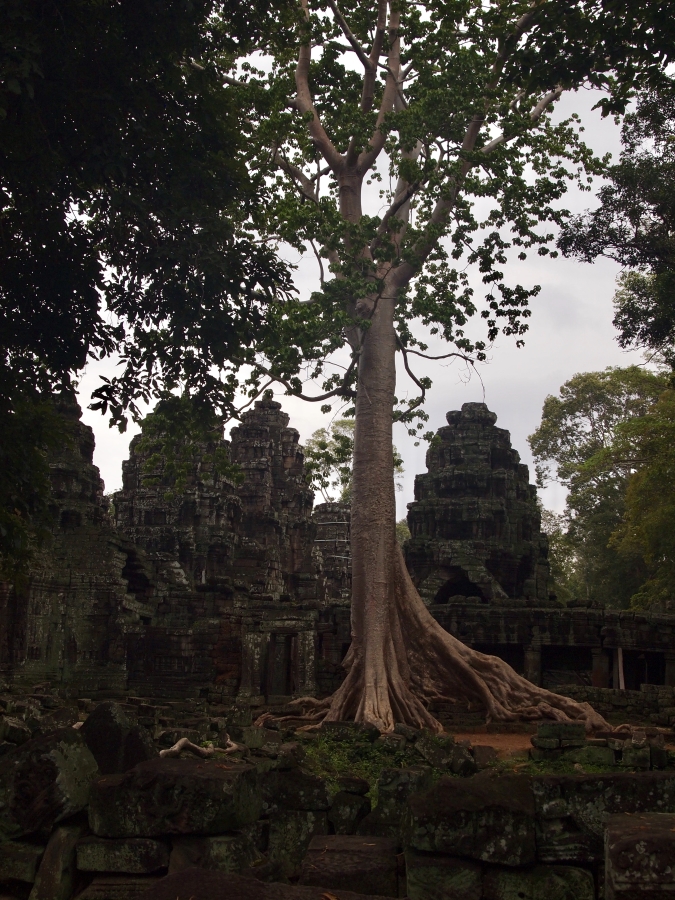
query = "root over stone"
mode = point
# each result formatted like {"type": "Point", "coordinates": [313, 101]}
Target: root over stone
{"type": "Point", "coordinates": [405, 660]}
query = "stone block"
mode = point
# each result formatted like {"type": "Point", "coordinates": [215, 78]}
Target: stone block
{"type": "Point", "coordinates": [485, 818]}
{"type": "Point", "coordinates": [129, 856]}
{"type": "Point", "coordinates": [350, 862]}
{"type": "Point", "coordinates": [202, 884]}
{"type": "Point", "coordinates": [250, 735]}
{"type": "Point", "coordinates": [544, 743]}
{"type": "Point", "coordinates": [295, 789]}
{"type": "Point", "coordinates": [484, 756]}
{"type": "Point", "coordinates": [290, 834]}
{"type": "Point", "coordinates": [55, 878]}
{"type": "Point", "coordinates": [14, 730]}
{"type": "Point", "coordinates": [19, 860]}
{"type": "Point", "coordinates": [572, 810]}
{"type": "Point", "coordinates": [116, 744]}
{"type": "Point", "coordinates": [431, 876]}
{"type": "Point", "coordinates": [118, 887]}
{"type": "Point", "coordinates": [635, 757]}
{"type": "Point", "coordinates": [640, 856]}
{"type": "Point", "coordinates": [539, 883]}
{"type": "Point", "coordinates": [562, 731]}
{"type": "Point", "coordinates": [352, 784]}
{"type": "Point", "coordinates": [436, 749]}
{"type": "Point", "coordinates": [225, 852]}
{"type": "Point", "coordinates": [658, 756]}
{"type": "Point", "coordinates": [45, 780]}
{"type": "Point", "coordinates": [175, 796]}
{"type": "Point", "coordinates": [394, 786]}
{"type": "Point", "coordinates": [347, 811]}
{"type": "Point", "coordinates": [592, 756]}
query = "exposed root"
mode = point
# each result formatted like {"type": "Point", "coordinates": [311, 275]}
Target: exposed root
{"type": "Point", "coordinates": [202, 752]}
{"type": "Point", "coordinates": [396, 670]}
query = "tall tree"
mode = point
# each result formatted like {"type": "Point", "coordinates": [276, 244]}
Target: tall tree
{"type": "Point", "coordinates": [575, 445]}
{"type": "Point", "coordinates": [635, 224]}
{"type": "Point", "coordinates": [648, 525]}
{"type": "Point", "coordinates": [433, 111]}
{"type": "Point", "coordinates": [124, 197]}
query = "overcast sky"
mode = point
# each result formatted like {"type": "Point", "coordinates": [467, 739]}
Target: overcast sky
{"type": "Point", "coordinates": [570, 331]}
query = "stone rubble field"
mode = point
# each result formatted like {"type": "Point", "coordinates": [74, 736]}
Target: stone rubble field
{"type": "Point", "coordinates": [89, 809]}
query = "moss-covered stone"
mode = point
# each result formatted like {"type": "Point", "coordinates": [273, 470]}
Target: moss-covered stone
{"type": "Point", "coordinates": [130, 856]}
{"type": "Point", "coordinates": [290, 834]}
{"type": "Point", "coordinates": [539, 883]}
{"type": "Point", "coordinates": [224, 852]}
{"type": "Point", "coordinates": [484, 818]}
{"type": "Point", "coordinates": [431, 876]}
{"type": "Point", "coordinates": [175, 796]}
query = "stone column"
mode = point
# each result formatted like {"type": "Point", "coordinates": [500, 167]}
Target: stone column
{"type": "Point", "coordinates": [306, 664]}
{"type": "Point", "coordinates": [600, 669]}
{"type": "Point", "coordinates": [533, 664]}
{"type": "Point", "coordinates": [253, 646]}
{"type": "Point", "coordinates": [669, 656]}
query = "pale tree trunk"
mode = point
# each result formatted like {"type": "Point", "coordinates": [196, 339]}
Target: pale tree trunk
{"type": "Point", "coordinates": [400, 659]}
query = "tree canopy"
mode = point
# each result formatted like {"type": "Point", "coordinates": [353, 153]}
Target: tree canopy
{"type": "Point", "coordinates": [577, 445]}
{"type": "Point", "coordinates": [124, 195]}
{"type": "Point", "coordinates": [635, 223]}
{"type": "Point", "coordinates": [124, 189]}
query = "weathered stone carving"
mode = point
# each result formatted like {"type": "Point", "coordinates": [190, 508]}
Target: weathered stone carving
{"type": "Point", "coordinates": [475, 525]}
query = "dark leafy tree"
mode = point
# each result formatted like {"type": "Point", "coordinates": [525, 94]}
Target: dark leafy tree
{"type": "Point", "coordinates": [635, 224]}
{"type": "Point", "coordinates": [124, 195]}
{"type": "Point", "coordinates": [576, 446]}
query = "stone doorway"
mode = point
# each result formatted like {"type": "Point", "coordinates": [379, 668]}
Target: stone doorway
{"type": "Point", "coordinates": [281, 665]}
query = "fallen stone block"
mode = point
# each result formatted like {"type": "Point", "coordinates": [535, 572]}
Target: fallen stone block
{"type": "Point", "coordinates": [394, 787]}
{"type": "Point", "coordinates": [43, 782]}
{"type": "Point", "coordinates": [290, 834]}
{"type": "Point", "coordinates": [175, 796]}
{"type": "Point", "coordinates": [19, 860]}
{"type": "Point", "coordinates": [115, 743]}
{"type": "Point", "coordinates": [350, 862]}
{"type": "Point", "coordinates": [484, 756]}
{"type": "Point", "coordinates": [570, 734]}
{"type": "Point", "coordinates": [118, 887]}
{"type": "Point", "coordinates": [347, 811]}
{"type": "Point", "coordinates": [640, 856]}
{"type": "Point", "coordinates": [14, 730]}
{"type": "Point", "coordinates": [572, 810]}
{"type": "Point", "coordinates": [224, 852]}
{"type": "Point", "coordinates": [431, 876]}
{"type": "Point", "coordinates": [485, 818]}
{"type": "Point", "coordinates": [204, 884]}
{"type": "Point", "coordinates": [539, 883]}
{"type": "Point", "coordinates": [295, 789]}
{"type": "Point", "coordinates": [130, 856]}
{"type": "Point", "coordinates": [55, 878]}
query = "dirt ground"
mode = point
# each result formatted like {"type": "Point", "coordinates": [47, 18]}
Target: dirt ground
{"type": "Point", "coordinates": [505, 744]}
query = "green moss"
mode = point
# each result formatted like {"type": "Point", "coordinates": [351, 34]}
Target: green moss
{"type": "Point", "coordinates": [332, 759]}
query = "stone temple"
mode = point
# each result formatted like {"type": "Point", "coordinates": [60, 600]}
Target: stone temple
{"type": "Point", "coordinates": [239, 593]}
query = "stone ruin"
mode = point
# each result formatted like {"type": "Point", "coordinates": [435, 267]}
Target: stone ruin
{"type": "Point", "coordinates": [241, 592]}
{"type": "Point", "coordinates": [196, 608]}
{"type": "Point", "coordinates": [475, 525]}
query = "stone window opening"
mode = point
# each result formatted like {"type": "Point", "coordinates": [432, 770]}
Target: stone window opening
{"type": "Point", "coordinates": [458, 583]}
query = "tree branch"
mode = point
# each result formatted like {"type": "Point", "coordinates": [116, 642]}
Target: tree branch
{"type": "Point", "coordinates": [303, 183]}
{"type": "Point", "coordinates": [305, 104]}
{"type": "Point", "coordinates": [341, 390]}
{"type": "Point", "coordinates": [391, 89]}
{"type": "Point", "coordinates": [346, 30]}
